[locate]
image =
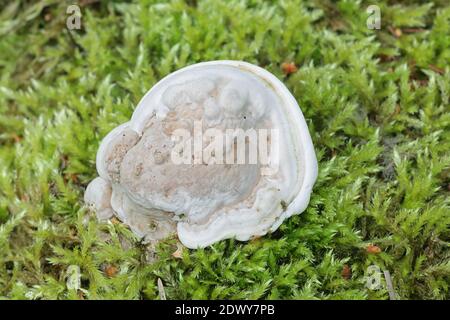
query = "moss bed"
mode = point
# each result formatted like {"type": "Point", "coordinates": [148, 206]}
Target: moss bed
{"type": "Point", "coordinates": [376, 103]}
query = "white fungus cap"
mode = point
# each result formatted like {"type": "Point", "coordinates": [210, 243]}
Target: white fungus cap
{"type": "Point", "coordinates": [201, 198]}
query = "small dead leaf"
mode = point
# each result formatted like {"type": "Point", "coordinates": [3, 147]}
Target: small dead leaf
{"type": "Point", "coordinates": [288, 68]}
{"type": "Point", "coordinates": [16, 138]}
{"type": "Point", "coordinates": [346, 272]}
{"type": "Point", "coordinates": [178, 254]}
{"type": "Point", "coordinates": [111, 270]}
{"type": "Point", "coordinates": [162, 292]}
{"type": "Point", "coordinates": [396, 32]}
{"type": "Point", "coordinates": [371, 248]}
{"type": "Point", "coordinates": [115, 221]}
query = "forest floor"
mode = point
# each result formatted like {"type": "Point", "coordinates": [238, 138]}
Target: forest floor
{"type": "Point", "coordinates": [376, 102]}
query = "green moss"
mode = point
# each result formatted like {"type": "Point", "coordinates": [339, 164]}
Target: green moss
{"type": "Point", "coordinates": [376, 102]}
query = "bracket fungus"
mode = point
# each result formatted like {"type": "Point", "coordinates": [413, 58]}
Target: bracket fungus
{"type": "Point", "coordinates": [213, 151]}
